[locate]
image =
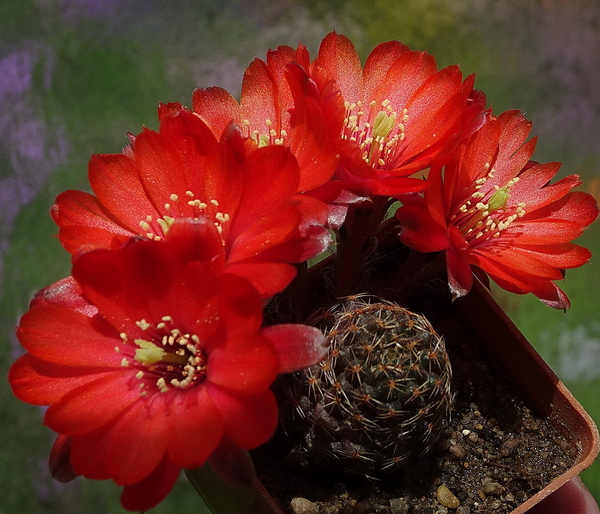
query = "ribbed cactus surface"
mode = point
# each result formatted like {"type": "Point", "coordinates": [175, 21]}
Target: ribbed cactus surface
{"type": "Point", "coordinates": [379, 397]}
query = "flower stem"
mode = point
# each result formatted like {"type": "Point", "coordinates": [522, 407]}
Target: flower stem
{"type": "Point", "coordinates": [417, 270]}
{"type": "Point", "coordinates": [221, 498]}
{"type": "Point", "coordinates": [354, 242]}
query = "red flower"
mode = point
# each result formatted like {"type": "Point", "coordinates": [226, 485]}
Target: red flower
{"type": "Point", "coordinates": [493, 208]}
{"type": "Point", "coordinates": [399, 115]}
{"type": "Point", "coordinates": [154, 360]}
{"type": "Point", "coordinates": [279, 105]}
{"type": "Point", "coordinates": [389, 120]}
{"type": "Point", "coordinates": [183, 171]}
{"type": "Point", "coordinates": [269, 113]}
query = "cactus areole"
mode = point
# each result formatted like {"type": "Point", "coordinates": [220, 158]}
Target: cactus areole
{"type": "Point", "coordinates": [380, 396]}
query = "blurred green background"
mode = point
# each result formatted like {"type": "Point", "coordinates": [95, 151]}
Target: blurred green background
{"type": "Point", "coordinates": [77, 75]}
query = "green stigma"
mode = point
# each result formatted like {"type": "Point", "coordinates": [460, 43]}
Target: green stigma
{"type": "Point", "coordinates": [166, 223]}
{"type": "Point", "coordinates": [498, 199]}
{"type": "Point", "coordinates": [148, 353]}
{"type": "Point", "coordinates": [383, 124]}
{"type": "Point", "coordinates": [263, 141]}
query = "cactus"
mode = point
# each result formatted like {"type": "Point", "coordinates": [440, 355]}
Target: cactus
{"type": "Point", "coordinates": [380, 396]}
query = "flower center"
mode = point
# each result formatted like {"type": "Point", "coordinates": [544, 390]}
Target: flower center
{"type": "Point", "coordinates": [379, 140]}
{"type": "Point", "coordinates": [486, 215]}
{"type": "Point", "coordinates": [167, 359]}
{"type": "Point", "coordinates": [269, 137]}
{"type": "Point", "coordinates": [188, 207]}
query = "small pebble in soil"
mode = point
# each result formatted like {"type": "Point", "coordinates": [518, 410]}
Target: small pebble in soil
{"type": "Point", "coordinates": [496, 504]}
{"type": "Point", "coordinates": [446, 497]}
{"type": "Point", "coordinates": [303, 506]}
{"type": "Point", "coordinates": [493, 488]}
{"type": "Point", "coordinates": [457, 451]}
{"type": "Point", "coordinates": [399, 506]}
{"type": "Point", "coordinates": [509, 446]}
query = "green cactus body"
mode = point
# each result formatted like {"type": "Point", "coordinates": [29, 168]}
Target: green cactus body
{"type": "Point", "coordinates": [379, 397]}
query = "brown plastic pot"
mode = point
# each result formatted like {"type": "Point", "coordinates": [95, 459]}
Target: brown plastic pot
{"type": "Point", "coordinates": [505, 343]}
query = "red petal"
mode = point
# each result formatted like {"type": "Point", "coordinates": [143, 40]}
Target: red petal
{"type": "Point", "coordinates": [85, 223]}
{"type": "Point", "coordinates": [477, 159]}
{"type": "Point", "coordinates": [63, 336]}
{"type": "Point", "coordinates": [313, 210]}
{"type": "Point", "coordinates": [196, 240]}
{"type": "Point", "coordinates": [195, 427]}
{"type": "Point", "coordinates": [519, 268]}
{"type": "Point", "coordinates": [260, 98]}
{"type": "Point", "coordinates": [161, 170]}
{"type": "Point", "coordinates": [379, 62]}
{"type": "Point", "coordinates": [534, 189]}
{"type": "Point", "coordinates": [577, 206]}
{"type": "Point", "coordinates": [420, 231]}
{"type": "Point", "coordinates": [116, 181]}
{"type": "Point", "coordinates": [460, 276]}
{"type": "Point", "coordinates": [208, 169]}
{"type": "Point", "coordinates": [557, 300]}
{"type": "Point", "coordinates": [430, 110]}
{"type": "Point", "coordinates": [269, 278]}
{"type": "Point", "coordinates": [241, 306]}
{"type": "Point", "coordinates": [247, 365]}
{"type": "Point", "coordinates": [338, 57]}
{"type": "Point", "coordinates": [546, 231]}
{"type": "Point", "coordinates": [562, 256]}
{"type": "Point", "coordinates": [520, 283]}
{"type": "Point", "coordinates": [77, 239]}
{"type": "Point", "coordinates": [265, 234]}
{"type": "Point", "coordinates": [434, 197]}
{"type": "Point", "coordinates": [88, 452]}
{"type": "Point", "coordinates": [59, 461]}
{"type": "Point", "coordinates": [168, 109]}
{"type": "Point", "coordinates": [195, 300]}
{"type": "Point", "coordinates": [93, 404]}
{"type": "Point", "coordinates": [409, 71]}
{"type": "Point", "coordinates": [302, 245]}
{"type": "Point", "coordinates": [130, 284]}
{"type": "Point", "coordinates": [513, 152]}
{"type": "Point", "coordinates": [309, 137]}
{"type": "Point", "coordinates": [216, 107]}
{"type": "Point", "coordinates": [316, 159]}
{"type": "Point", "coordinates": [139, 441]}
{"type": "Point", "coordinates": [298, 346]}
{"type": "Point", "coordinates": [277, 62]}
{"type": "Point", "coordinates": [39, 382]}
{"type": "Point", "coordinates": [388, 185]}
{"type": "Point", "coordinates": [184, 158]}
{"type": "Point", "coordinates": [518, 261]}
{"type": "Point", "coordinates": [249, 420]}
{"type": "Point", "coordinates": [271, 180]}
{"type": "Point", "coordinates": [65, 292]}
{"type": "Point", "coordinates": [149, 492]}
